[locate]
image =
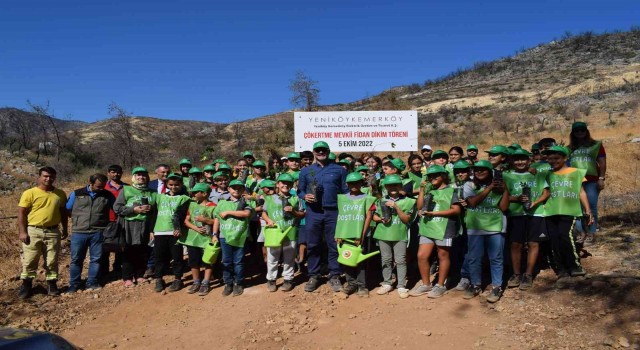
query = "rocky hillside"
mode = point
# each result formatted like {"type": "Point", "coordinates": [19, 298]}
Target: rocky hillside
{"type": "Point", "coordinates": [537, 90]}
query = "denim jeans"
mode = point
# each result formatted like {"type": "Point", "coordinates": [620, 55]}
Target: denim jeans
{"type": "Point", "coordinates": [318, 225]}
{"type": "Point", "coordinates": [80, 243]}
{"type": "Point", "coordinates": [591, 188]}
{"type": "Point", "coordinates": [232, 262]}
{"type": "Point", "coordinates": [494, 245]}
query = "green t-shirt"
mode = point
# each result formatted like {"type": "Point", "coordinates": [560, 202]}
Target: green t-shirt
{"type": "Point", "coordinates": [486, 217]}
{"type": "Point", "coordinates": [585, 158]}
{"type": "Point", "coordinates": [352, 211]}
{"type": "Point", "coordinates": [564, 186]}
{"type": "Point", "coordinates": [134, 196]}
{"type": "Point", "coordinates": [193, 238]}
{"type": "Point", "coordinates": [435, 227]}
{"type": "Point", "coordinates": [536, 182]}
{"type": "Point", "coordinates": [167, 206]}
{"type": "Point", "coordinates": [273, 206]}
{"type": "Point", "coordinates": [395, 230]}
{"type": "Point", "coordinates": [233, 230]}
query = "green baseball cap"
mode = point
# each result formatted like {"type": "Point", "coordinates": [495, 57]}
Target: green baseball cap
{"type": "Point", "coordinates": [220, 174]}
{"type": "Point", "coordinates": [439, 154]}
{"type": "Point", "coordinates": [258, 163]}
{"type": "Point", "coordinates": [185, 161]}
{"type": "Point", "coordinates": [498, 149]}
{"type": "Point", "coordinates": [209, 167]}
{"type": "Point", "coordinates": [578, 125]}
{"type": "Point", "coordinates": [392, 179]}
{"type": "Point", "coordinates": [293, 155]}
{"type": "Point", "coordinates": [472, 148]}
{"type": "Point", "coordinates": [483, 164]}
{"type": "Point", "coordinates": [138, 169]}
{"type": "Point", "coordinates": [345, 162]}
{"type": "Point", "coordinates": [247, 154]}
{"type": "Point", "coordinates": [174, 176]}
{"type": "Point", "coordinates": [219, 160]}
{"type": "Point", "coordinates": [515, 146]}
{"type": "Point", "coordinates": [200, 187]}
{"type": "Point", "coordinates": [332, 156]}
{"type": "Point", "coordinates": [224, 166]}
{"type": "Point", "coordinates": [363, 168]}
{"type": "Point", "coordinates": [436, 169]}
{"type": "Point", "coordinates": [354, 177]}
{"type": "Point", "coordinates": [557, 149]}
{"type": "Point", "coordinates": [195, 170]}
{"type": "Point", "coordinates": [285, 178]}
{"type": "Point", "coordinates": [321, 144]}
{"type": "Point", "coordinates": [398, 164]}
{"type": "Point", "coordinates": [520, 152]}
{"type": "Point", "coordinates": [267, 183]}
{"type": "Point", "coordinates": [236, 182]}
{"type": "Point", "coordinates": [535, 147]}
{"type": "Point", "coordinates": [461, 164]}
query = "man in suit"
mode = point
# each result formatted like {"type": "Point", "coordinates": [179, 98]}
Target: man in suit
{"type": "Point", "coordinates": [160, 184]}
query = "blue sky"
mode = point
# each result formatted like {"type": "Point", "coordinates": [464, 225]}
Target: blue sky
{"type": "Point", "coordinates": [232, 60]}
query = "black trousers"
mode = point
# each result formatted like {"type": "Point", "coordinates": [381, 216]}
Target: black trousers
{"type": "Point", "coordinates": [166, 248]}
{"type": "Point", "coordinates": [560, 229]}
{"type": "Point", "coordinates": [134, 261]}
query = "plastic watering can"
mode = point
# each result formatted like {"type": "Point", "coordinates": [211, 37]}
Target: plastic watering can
{"type": "Point", "coordinates": [350, 254]}
{"type": "Point", "coordinates": [273, 236]}
{"type": "Point", "coordinates": [211, 253]}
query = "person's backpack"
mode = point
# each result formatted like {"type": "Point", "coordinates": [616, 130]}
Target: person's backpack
{"type": "Point", "coordinates": [114, 236]}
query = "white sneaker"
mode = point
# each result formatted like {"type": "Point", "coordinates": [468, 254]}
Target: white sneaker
{"type": "Point", "coordinates": [463, 284]}
{"type": "Point", "coordinates": [384, 289]}
{"type": "Point", "coordinates": [420, 289]}
{"type": "Point", "coordinates": [403, 293]}
{"type": "Point", "coordinates": [437, 291]}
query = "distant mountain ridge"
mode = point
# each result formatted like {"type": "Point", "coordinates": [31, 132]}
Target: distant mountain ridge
{"type": "Point", "coordinates": [539, 88]}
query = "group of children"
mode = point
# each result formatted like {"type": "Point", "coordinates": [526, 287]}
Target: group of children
{"type": "Point", "coordinates": [445, 213]}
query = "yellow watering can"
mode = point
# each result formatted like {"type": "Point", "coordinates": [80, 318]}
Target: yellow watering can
{"type": "Point", "coordinates": [273, 236]}
{"type": "Point", "coordinates": [350, 254]}
{"type": "Point", "coordinates": [211, 253]}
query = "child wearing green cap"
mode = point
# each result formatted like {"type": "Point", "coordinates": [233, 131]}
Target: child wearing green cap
{"type": "Point", "coordinates": [563, 209]}
{"type": "Point", "coordinates": [392, 234]}
{"type": "Point", "coordinates": [222, 187]}
{"type": "Point", "coordinates": [487, 201]}
{"type": "Point", "coordinates": [198, 222]}
{"type": "Point", "coordinates": [267, 188]}
{"type": "Point", "coordinates": [354, 217]}
{"type": "Point", "coordinates": [281, 209]}
{"type": "Point", "coordinates": [438, 226]}
{"type": "Point", "coordinates": [526, 224]}
{"type": "Point", "coordinates": [172, 209]}
{"type": "Point", "coordinates": [459, 258]}
{"type": "Point", "coordinates": [231, 227]}
{"type": "Point", "coordinates": [396, 166]}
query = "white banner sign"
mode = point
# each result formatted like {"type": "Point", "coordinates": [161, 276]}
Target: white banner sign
{"type": "Point", "coordinates": [362, 131]}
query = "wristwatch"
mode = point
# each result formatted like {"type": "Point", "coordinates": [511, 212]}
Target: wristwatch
{"type": "Point", "coordinates": [601, 178]}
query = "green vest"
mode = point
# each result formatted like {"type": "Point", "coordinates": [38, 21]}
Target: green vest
{"type": "Point", "coordinates": [133, 196]}
{"type": "Point", "coordinates": [167, 206]}
{"type": "Point", "coordinates": [193, 238]}
{"type": "Point", "coordinates": [585, 158]}
{"type": "Point", "coordinates": [233, 229]}
{"type": "Point", "coordinates": [537, 183]}
{"type": "Point", "coordinates": [351, 215]}
{"type": "Point", "coordinates": [274, 210]}
{"type": "Point", "coordinates": [416, 180]}
{"type": "Point", "coordinates": [487, 215]}
{"type": "Point", "coordinates": [565, 193]}
{"type": "Point", "coordinates": [435, 227]}
{"type": "Point", "coordinates": [395, 230]}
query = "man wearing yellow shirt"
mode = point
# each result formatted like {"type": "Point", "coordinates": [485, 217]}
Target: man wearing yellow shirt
{"type": "Point", "coordinates": [40, 212]}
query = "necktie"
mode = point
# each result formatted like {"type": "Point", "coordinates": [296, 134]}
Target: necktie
{"type": "Point", "coordinates": [162, 189]}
